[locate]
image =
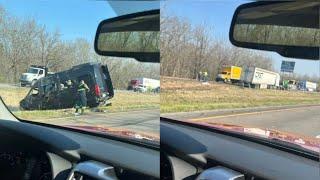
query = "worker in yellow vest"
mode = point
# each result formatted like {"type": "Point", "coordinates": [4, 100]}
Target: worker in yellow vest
{"type": "Point", "coordinates": [81, 101]}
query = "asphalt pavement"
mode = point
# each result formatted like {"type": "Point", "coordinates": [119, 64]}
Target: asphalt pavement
{"type": "Point", "coordinates": [295, 119]}
{"type": "Point", "coordinates": [143, 121]}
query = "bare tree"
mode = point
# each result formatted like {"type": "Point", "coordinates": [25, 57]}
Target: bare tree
{"type": "Point", "coordinates": [186, 50]}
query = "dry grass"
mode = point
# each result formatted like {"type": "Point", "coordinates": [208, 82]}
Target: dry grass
{"type": "Point", "coordinates": [12, 96]}
{"type": "Point", "coordinates": [123, 101]}
{"type": "Point", "coordinates": [182, 95]}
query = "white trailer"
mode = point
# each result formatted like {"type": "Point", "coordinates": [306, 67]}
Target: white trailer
{"type": "Point", "coordinates": [307, 86]}
{"type": "Point", "coordinates": [145, 83]}
{"type": "Point", "coordinates": [151, 83]}
{"type": "Point", "coordinates": [260, 77]}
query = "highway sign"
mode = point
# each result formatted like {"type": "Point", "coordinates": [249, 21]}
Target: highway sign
{"type": "Point", "coordinates": [287, 66]}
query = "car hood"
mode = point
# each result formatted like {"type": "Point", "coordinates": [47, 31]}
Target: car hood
{"type": "Point", "coordinates": [116, 132]}
{"type": "Point", "coordinates": [306, 142]}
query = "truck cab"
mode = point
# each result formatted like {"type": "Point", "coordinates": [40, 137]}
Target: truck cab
{"type": "Point", "coordinates": [227, 74]}
{"type": "Point", "coordinates": [33, 74]}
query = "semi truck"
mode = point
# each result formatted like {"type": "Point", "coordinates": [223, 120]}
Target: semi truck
{"type": "Point", "coordinates": [230, 74]}
{"type": "Point", "coordinates": [260, 78]}
{"type": "Point", "coordinates": [307, 86]}
{"type": "Point", "coordinates": [143, 84]}
{"type": "Point", "coordinates": [289, 84]}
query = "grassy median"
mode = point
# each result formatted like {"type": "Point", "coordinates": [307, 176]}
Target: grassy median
{"type": "Point", "coordinates": [122, 101]}
{"type": "Point", "coordinates": [183, 95]}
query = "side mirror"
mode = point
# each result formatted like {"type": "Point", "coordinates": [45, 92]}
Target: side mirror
{"type": "Point", "coordinates": [290, 28]}
{"type": "Point", "coordinates": [134, 36]}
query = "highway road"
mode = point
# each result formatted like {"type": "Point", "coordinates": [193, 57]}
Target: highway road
{"type": "Point", "coordinates": [144, 121]}
{"type": "Point", "coordinates": [299, 120]}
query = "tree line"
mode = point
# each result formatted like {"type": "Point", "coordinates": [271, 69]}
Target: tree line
{"type": "Point", "coordinates": [25, 42]}
{"type": "Point", "coordinates": [187, 49]}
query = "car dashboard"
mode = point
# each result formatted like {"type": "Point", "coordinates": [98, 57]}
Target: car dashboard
{"type": "Point", "coordinates": [173, 167]}
{"type": "Point", "coordinates": [23, 165]}
{"type": "Point", "coordinates": [30, 151]}
{"type": "Point", "coordinates": [188, 152]}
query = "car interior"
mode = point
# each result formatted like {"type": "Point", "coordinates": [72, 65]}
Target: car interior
{"type": "Point", "coordinates": [195, 152]}
{"type": "Point", "coordinates": [34, 151]}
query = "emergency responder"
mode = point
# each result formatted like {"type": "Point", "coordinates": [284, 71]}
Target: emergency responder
{"type": "Point", "coordinates": [81, 101]}
{"type": "Point", "coordinates": [205, 76]}
{"type": "Point", "coordinates": [200, 76]}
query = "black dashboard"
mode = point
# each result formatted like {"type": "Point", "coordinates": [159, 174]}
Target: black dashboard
{"type": "Point", "coordinates": [189, 153]}
{"type": "Point", "coordinates": [31, 151]}
{"type": "Point", "coordinates": [24, 165]}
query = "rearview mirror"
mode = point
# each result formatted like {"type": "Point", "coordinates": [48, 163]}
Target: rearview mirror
{"type": "Point", "coordinates": [289, 28]}
{"type": "Point", "coordinates": [133, 35]}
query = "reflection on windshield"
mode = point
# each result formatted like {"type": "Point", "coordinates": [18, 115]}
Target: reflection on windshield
{"type": "Point", "coordinates": [76, 87]}
{"type": "Point", "coordinates": [277, 35]}
{"type": "Point", "coordinates": [129, 41]}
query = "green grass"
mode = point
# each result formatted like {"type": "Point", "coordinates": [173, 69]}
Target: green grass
{"type": "Point", "coordinates": [43, 114]}
{"type": "Point", "coordinates": [122, 101]}
{"type": "Point", "coordinates": [178, 95]}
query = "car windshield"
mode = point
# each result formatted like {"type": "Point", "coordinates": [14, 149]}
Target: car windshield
{"type": "Point", "coordinates": [76, 90]}
{"type": "Point", "coordinates": [32, 71]}
{"type": "Point", "coordinates": [255, 99]}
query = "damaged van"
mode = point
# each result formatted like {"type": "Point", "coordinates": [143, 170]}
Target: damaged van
{"type": "Point", "coordinates": [59, 90]}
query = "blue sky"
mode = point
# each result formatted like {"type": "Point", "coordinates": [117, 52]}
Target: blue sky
{"type": "Point", "coordinates": [80, 18]}
{"type": "Point", "coordinates": [73, 18]}
{"type": "Point", "coordinates": [218, 15]}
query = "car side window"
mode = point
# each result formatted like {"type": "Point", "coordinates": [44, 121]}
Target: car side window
{"type": "Point", "coordinates": [87, 79]}
{"type": "Point", "coordinates": [40, 72]}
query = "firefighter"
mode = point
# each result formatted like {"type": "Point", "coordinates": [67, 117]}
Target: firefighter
{"type": "Point", "coordinates": [81, 101]}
